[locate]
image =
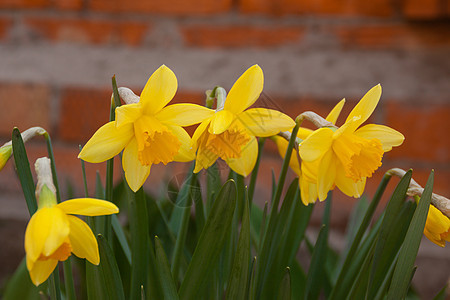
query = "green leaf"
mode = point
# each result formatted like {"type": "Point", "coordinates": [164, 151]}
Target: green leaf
{"type": "Point", "coordinates": [238, 280]}
{"type": "Point", "coordinates": [211, 242]}
{"type": "Point", "coordinates": [252, 184]}
{"type": "Point", "coordinates": [442, 294]}
{"type": "Point", "coordinates": [118, 230]}
{"type": "Point", "coordinates": [408, 252]}
{"type": "Point", "coordinates": [24, 171]}
{"type": "Point", "coordinates": [109, 270]}
{"type": "Point", "coordinates": [384, 250]}
{"type": "Point", "coordinates": [284, 292]}
{"type": "Point", "coordinates": [168, 285]}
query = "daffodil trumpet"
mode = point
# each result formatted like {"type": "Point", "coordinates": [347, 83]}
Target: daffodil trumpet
{"type": "Point", "coordinates": [53, 232]}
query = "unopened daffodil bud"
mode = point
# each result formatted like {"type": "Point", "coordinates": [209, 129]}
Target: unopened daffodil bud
{"type": "Point", "coordinates": [45, 189]}
{"type": "Point", "coordinates": [6, 150]}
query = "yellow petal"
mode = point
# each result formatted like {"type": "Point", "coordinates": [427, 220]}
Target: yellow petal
{"type": "Point", "coordinates": [335, 112]}
{"type": "Point", "coordinates": [46, 232]}
{"type": "Point", "coordinates": [135, 172]}
{"type": "Point", "coordinates": [303, 133]}
{"type": "Point", "coordinates": [83, 241]}
{"type": "Point", "coordinates": [326, 175]}
{"type": "Point", "coordinates": [41, 270]}
{"type": "Point", "coordinates": [246, 90]}
{"type": "Point", "coordinates": [88, 207]}
{"type": "Point", "coordinates": [308, 191]}
{"type": "Point", "coordinates": [186, 152]}
{"type": "Point", "coordinates": [221, 121]}
{"type": "Point", "coordinates": [316, 144]}
{"type": "Point", "coordinates": [204, 159]}
{"type": "Point", "coordinates": [159, 90]}
{"type": "Point", "coordinates": [265, 122]}
{"type": "Point", "coordinates": [365, 106]}
{"type": "Point", "coordinates": [198, 133]}
{"type": "Point", "coordinates": [184, 114]}
{"type": "Point", "coordinates": [437, 227]}
{"type": "Point", "coordinates": [128, 113]}
{"type": "Point", "coordinates": [347, 185]}
{"type": "Point", "coordinates": [282, 144]}
{"type": "Point", "coordinates": [106, 143]}
{"type": "Point", "coordinates": [5, 154]}
{"type": "Point", "coordinates": [245, 164]}
{"type": "Point", "coordinates": [387, 136]}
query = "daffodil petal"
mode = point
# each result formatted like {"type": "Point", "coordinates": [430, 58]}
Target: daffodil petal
{"type": "Point", "coordinates": [246, 90]}
{"type": "Point", "coordinates": [186, 152]}
{"type": "Point", "coordinates": [135, 172]}
{"type": "Point", "coordinates": [316, 144]}
{"type": "Point", "coordinates": [347, 185]}
{"type": "Point", "coordinates": [204, 159]}
{"type": "Point", "coordinates": [246, 162]}
{"type": "Point", "coordinates": [184, 114]}
{"type": "Point", "coordinates": [128, 113]}
{"type": "Point", "coordinates": [265, 122]}
{"type": "Point", "coordinates": [365, 106]}
{"type": "Point", "coordinates": [326, 175]}
{"type": "Point", "coordinates": [221, 121]}
{"type": "Point", "coordinates": [46, 231]}
{"type": "Point", "coordinates": [159, 90]}
{"type": "Point", "coordinates": [308, 191]}
{"type": "Point", "coordinates": [388, 137]}
{"type": "Point", "coordinates": [335, 112]}
{"type": "Point", "coordinates": [88, 207]}
{"type": "Point", "coordinates": [84, 244]}
{"type": "Point", "coordinates": [106, 143]}
{"type": "Point", "coordinates": [282, 145]}
{"type": "Point", "coordinates": [303, 133]}
{"type": "Point", "coordinates": [198, 133]}
{"type": "Point", "coordinates": [41, 270]}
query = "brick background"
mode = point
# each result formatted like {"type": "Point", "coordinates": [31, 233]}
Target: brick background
{"type": "Point", "coordinates": [57, 58]}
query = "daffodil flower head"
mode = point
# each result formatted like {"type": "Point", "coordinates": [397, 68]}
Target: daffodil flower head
{"type": "Point", "coordinates": [230, 131]}
{"type": "Point", "coordinates": [53, 233]}
{"type": "Point", "coordinates": [348, 155]}
{"type": "Point", "coordinates": [437, 227]}
{"type": "Point", "coordinates": [148, 131]}
{"type": "Point", "coordinates": [5, 154]}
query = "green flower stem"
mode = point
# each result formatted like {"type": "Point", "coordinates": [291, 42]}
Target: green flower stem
{"type": "Point", "coordinates": [252, 184]}
{"type": "Point", "coordinates": [218, 93]}
{"type": "Point", "coordinates": [361, 230]}
{"type": "Point", "coordinates": [68, 276]}
{"type": "Point", "coordinates": [284, 168]}
{"type": "Point", "coordinates": [54, 286]}
{"type": "Point", "coordinates": [83, 171]}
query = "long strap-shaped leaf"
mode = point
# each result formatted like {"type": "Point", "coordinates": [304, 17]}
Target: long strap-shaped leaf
{"type": "Point", "coordinates": [168, 286]}
{"type": "Point", "coordinates": [211, 242]}
{"type": "Point", "coordinates": [405, 264]}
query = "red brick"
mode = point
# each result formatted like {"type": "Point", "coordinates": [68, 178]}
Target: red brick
{"type": "Point", "coordinates": [240, 36]}
{"type": "Point", "coordinates": [23, 106]}
{"type": "Point", "coordinates": [24, 4]}
{"type": "Point", "coordinates": [425, 128]}
{"type": "Point", "coordinates": [69, 4]}
{"type": "Point", "coordinates": [5, 25]}
{"type": "Point", "coordinates": [83, 111]}
{"type": "Point", "coordinates": [89, 31]}
{"type": "Point", "coordinates": [379, 8]}
{"type": "Point", "coordinates": [174, 7]}
{"type": "Point", "coordinates": [422, 9]}
{"type": "Point", "coordinates": [394, 36]}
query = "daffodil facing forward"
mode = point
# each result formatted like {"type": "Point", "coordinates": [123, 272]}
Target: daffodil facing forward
{"type": "Point", "coordinates": [230, 131]}
{"type": "Point", "coordinates": [53, 233]}
{"type": "Point", "coordinates": [148, 131]}
{"type": "Point", "coordinates": [346, 156]}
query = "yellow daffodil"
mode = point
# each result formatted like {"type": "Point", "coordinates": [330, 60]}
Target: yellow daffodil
{"type": "Point", "coordinates": [149, 131]}
{"type": "Point", "coordinates": [5, 154]}
{"type": "Point", "coordinates": [437, 227]}
{"type": "Point", "coordinates": [53, 233]}
{"type": "Point", "coordinates": [346, 156]}
{"type": "Point", "coordinates": [306, 171]}
{"type": "Point", "coordinates": [230, 132]}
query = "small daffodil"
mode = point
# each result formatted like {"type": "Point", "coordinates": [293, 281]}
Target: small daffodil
{"type": "Point", "coordinates": [148, 131]}
{"type": "Point", "coordinates": [230, 131]}
{"type": "Point", "coordinates": [437, 227]}
{"type": "Point", "coordinates": [53, 232]}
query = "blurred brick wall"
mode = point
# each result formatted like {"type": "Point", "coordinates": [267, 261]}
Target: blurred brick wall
{"type": "Point", "coordinates": [57, 58]}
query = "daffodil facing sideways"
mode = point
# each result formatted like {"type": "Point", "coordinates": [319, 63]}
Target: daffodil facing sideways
{"type": "Point", "coordinates": [306, 172]}
{"type": "Point", "coordinates": [437, 227]}
{"type": "Point", "coordinates": [148, 131]}
{"type": "Point", "coordinates": [6, 150]}
{"type": "Point", "coordinates": [53, 233]}
{"type": "Point", "coordinates": [230, 131]}
{"type": "Point", "coordinates": [345, 157]}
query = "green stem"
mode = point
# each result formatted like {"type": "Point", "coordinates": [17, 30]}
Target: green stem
{"type": "Point", "coordinates": [54, 286]}
{"type": "Point", "coordinates": [83, 171]}
{"type": "Point", "coordinates": [252, 184]}
{"type": "Point", "coordinates": [361, 230]}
